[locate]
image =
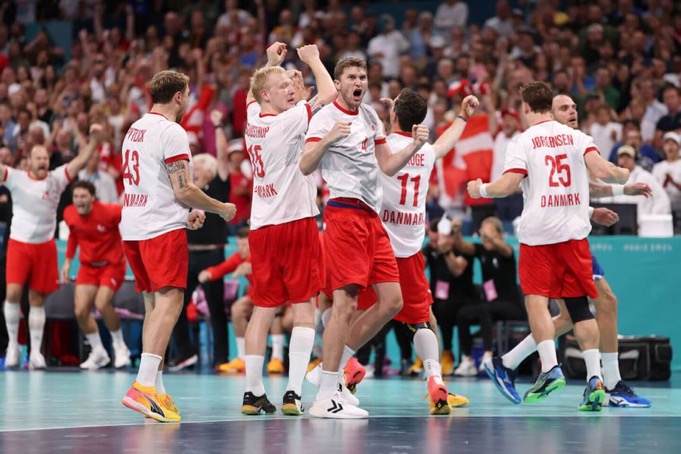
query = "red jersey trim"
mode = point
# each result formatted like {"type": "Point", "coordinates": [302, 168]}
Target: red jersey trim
{"type": "Point", "coordinates": [590, 149]}
{"type": "Point", "coordinates": [312, 139]}
{"type": "Point", "coordinates": [309, 112]}
{"type": "Point", "coordinates": [249, 104]}
{"type": "Point", "coordinates": [380, 141]}
{"type": "Point", "coordinates": [521, 171]}
{"type": "Point", "coordinates": [402, 133]}
{"type": "Point", "coordinates": [344, 110]}
{"type": "Point", "coordinates": [159, 114]}
{"type": "Point", "coordinates": [68, 177]}
{"type": "Point", "coordinates": [543, 121]}
{"type": "Point", "coordinates": [34, 178]}
{"type": "Point", "coordinates": [4, 176]}
{"type": "Point", "coordinates": [179, 157]}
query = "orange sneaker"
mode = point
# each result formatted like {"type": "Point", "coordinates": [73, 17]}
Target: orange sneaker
{"type": "Point", "coordinates": [143, 399]}
{"type": "Point", "coordinates": [235, 366]}
{"type": "Point", "coordinates": [275, 366]}
{"type": "Point", "coordinates": [438, 398]}
{"type": "Point", "coordinates": [447, 362]}
{"type": "Point", "coordinates": [354, 373]}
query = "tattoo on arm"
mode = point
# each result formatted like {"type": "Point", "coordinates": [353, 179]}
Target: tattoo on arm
{"type": "Point", "coordinates": [179, 168]}
{"type": "Point", "coordinates": [182, 181]}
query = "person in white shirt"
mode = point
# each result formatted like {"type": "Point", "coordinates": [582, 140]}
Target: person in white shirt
{"type": "Point", "coordinates": [549, 161]}
{"type": "Point", "coordinates": [668, 173]}
{"type": "Point", "coordinates": [508, 208]}
{"type": "Point", "coordinates": [605, 132]}
{"type": "Point", "coordinates": [387, 47]}
{"type": "Point", "coordinates": [105, 185]}
{"type": "Point", "coordinates": [32, 251]}
{"type": "Point", "coordinates": [449, 15]}
{"type": "Point", "coordinates": [159, 190]}
{"type": "Point", "coordinates": [284, 240]}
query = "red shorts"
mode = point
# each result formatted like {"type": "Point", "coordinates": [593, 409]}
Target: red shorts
{"type": "Point", "coordinates": [286, 261]}
{"type": "Point", "coordinates": [111, 276]}
{"type": "Point", "coordinates": [561, 270]}
{"type": "Point", "coordinates": [35, 263]}
{"type": "Point", "coordinates": [416, 293]}
{"type": "Point", "coordinates": [159, 262]}
{"type": "Point", "coordinates": [357, 249]}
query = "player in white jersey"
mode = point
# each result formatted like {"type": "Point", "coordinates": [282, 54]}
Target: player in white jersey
{"type": "Point", "coordinates": [284, 241]}
{"type": "Point", "coordinates": [347, 139]}
{"type": "Point", "coordinates": [159, 191]}
{"type": "Point", "coordinates": [32, 251]}
{"type": "Point", "coordinates": [549, 162]}
{"type": "Point", "coordinates": [564, 110]}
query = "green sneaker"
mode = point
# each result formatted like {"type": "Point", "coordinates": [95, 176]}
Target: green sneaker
{"type": "Point", "coordinates": [546, 383]}
{"type": "Point", "coordinates": [594, 395]}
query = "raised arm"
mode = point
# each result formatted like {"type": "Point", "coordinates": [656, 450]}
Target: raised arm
{"type": "Point", "coordinates": [390, 163]}
{"type": "Point", "coordinates": [220, 144]}
{"type": "Point", "coordinates": [504, 186]}
{"type": "Point", "coordinates": [85, 151]}
{"type": "Point", "coordinates": [605, 170]}
{"type": "Point", "coordinates": [459, 243]}
{"type": "Point", "coordinates": [326, 90]}
{"type": "Point", "coordinates": [452, 134]}
{"type": "Point", "coordinates": [275, 56]}
{"type": "Point", "coordinates": [315, 149]}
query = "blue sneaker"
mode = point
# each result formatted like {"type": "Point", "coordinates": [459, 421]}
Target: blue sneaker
{"type": "Point", "coordinates": [503, 378]}
{"type": "Point", "coordinates": [546, 383]}
{"type": "Point", "coordinates": [594, 395]}
{"type": "Point", "coordinates": [623, 396]}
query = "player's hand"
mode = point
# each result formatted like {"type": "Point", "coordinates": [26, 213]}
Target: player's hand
{"type": "Point", "coordinates": [638, 189]}
{"type": "Point", "coordinates": [456, 227]}
{"type": "Point", "coordinates": [468, 106]}
{"type": "Point", "coordinates": [389, 103]}
{"type": "Point", "coordinates": [308, 53]}
{"type": "Point", "coordinates": [339, 131]}
{"type": "Point", "coordinates": [204, 276]}
{"type": "Point", "coordinates": [216, 117]}
{"type": "Point", "coordinates": [243, 270]}
{"type": "Point", "coordinates": [196, 220]}
{"type": "Point", "coordinates": [65, 271]}
{"type": "Point", "coordinates": [474, 188]}
{"type": "Point", "coordinates": [604, 216]}
{"type": "Point", "coordinates": [276, 54]}
{"type": "Point", "coordinates": [420, 134]}
{"type": "Point", "coordinates": [228, 212]}
{"type": "Point", "coordinates": [96, 133]}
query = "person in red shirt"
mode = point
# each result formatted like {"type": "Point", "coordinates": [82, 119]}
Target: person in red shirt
{"type": "Point", "coordinates": [241, 184]}
{"type": "Point", "coordinates": [94, 227]}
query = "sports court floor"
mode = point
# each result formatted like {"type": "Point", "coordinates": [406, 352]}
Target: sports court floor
{"type": "Point", "coordinates": [50, 412]}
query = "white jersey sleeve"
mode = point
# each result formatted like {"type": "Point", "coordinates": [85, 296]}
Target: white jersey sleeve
{"type": "Point", "coordinates": [175, 144]}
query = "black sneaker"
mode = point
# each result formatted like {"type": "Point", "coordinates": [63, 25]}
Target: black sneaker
{"type": "Point", "coordinates": [255, 405]}
{"type": "Point", "coordinates": [292, 405]}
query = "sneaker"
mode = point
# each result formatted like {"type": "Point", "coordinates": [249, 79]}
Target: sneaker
{"type": "Point", "coordinates": [184, 363]}
{"type": "Point", "coordinates": [466, 367]}
{"type": "Point", "coordinates": [314, 363]}
{"type": "Point", "coordinates": [96, 360]}
{"type": "Point", "coordinates": [347, 395]}
{"type": "Point", "coordinates": [438, 398]}
{"type": "Point", "coordinates": [254, 405]}
{"type": "Point", "coordinates": [315, 375]}
{"type": "Point", "coordinates": [121, 356]}
{"type": "Point", "coordinates": [457, 400]}
{"type": "Point", "coordinates": [235, 366]}
{"type": "Point", "coordinates": [416, 368]}
{"type": "Point", "coordinates": [144, 400]}
{"type": "Point", "coordinates": [292, 405]}
{"type": "Point", "coordinates": [594, 395]}
{"type": "Point", "coordinates": [503, 378]}
{"type": "Point", "coordinates": [168, 402]}
{"type": "Point", "coordinates": [12, 356]}
{"type": "Point", "coordinates": [275, 366]}
{"type": "Point", "coordinates": [623, 396]}
{"type": "Point", "coordinates": [354, 373]}
{"type": "Point", "coordinates": [36, 361]}
{"type": "Point", "coordinates": [335, 407]}
{"type": "Point", "coordinates": [487, 356]}
{"type": "Point", "coordinates": [546, 383]}
{"type": "Point", "coordinates": [447, 362]}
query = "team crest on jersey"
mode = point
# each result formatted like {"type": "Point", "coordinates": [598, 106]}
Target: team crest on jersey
{"type": "Point", "coordinates": [101, 228]}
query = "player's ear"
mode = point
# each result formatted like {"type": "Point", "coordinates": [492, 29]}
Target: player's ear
{"type": "Point", "coordinates": [337, 84]}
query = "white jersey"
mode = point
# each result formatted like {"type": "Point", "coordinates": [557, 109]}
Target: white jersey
{"type": "Point", "coordinates": [660, 172]}
{"type": "Point", "coordinates": [403, 209]}
{"type": "Point", "coordinates": [150, 208]}
{"type": "Point", "coordinates": [501, 142]}
{"type": "Point", "coordinates": [34, 209]}
{"type": "Point", "coordinates": [349, 166]}
{"type": "Point", "coordinates": [556, 190]}
{"type": "Point", "coordinates": [281, 193]}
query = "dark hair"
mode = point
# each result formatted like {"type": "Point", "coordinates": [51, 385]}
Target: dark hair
{"type": "Point", "coordinates": [538, 96]}
{"type": "Point", "coordinates": [348, 62]}
{"type": "Point", "coordinates": [410, 109]}
{"type": "Point", "coordinates": [433, 224]}
{"type": "Point", "coordinates": [84, 184]}
{"type": "Point", "coordinates": [165, 84]}
{"type": "Point", "coordinates": [243, 232]}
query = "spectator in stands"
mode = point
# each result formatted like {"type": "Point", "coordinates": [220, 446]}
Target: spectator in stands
{"type": "Point", "coordinates": [671, 96]}
{"type": "Point", "coordinates": [647, 154]}
{"type": "Point", "coordinates": [668, 173]}
{"type": "Point", "coordinates": [605, 132]}
{"type": "Point", "coordinates": [451, 14]}
{"type": "Point", "coordinates": [241, 184]}
{"type": "Point", "coordinates": [388, 46]}
{"type": "Point", "coordinates": [105, 186]}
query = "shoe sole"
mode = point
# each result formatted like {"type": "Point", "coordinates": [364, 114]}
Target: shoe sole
{"type": "Point", "coordinates": [341, 415]}
{"type": "Point", "coordinates": [502, 390]}
{"type": "Point", "coordinates": [291, 410]}
{"type": "Point", "coordinates": [627, 405]}
{"type": "Point", "coordinates": [456, 401]}
{"type": "Point", "coordinates": [538, 397]}
{"type": "Point", "coordinates": [440, 408]}
{"type": "Point", "coordinates": [139, 408]}
{"type": "Point", "coordinates": [596, 399]}
{"type": "Point", "coordinates": [96, 366]}
{"type": "Point", "coordinates": [250, 410]}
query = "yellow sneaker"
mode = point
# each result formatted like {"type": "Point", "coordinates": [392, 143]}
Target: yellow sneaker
{"type": "Point", "coordinates": [235, 366]}
{"type": "Point", "coordinates": [416, 368]}
{"type": "Point", "coordinates": [447, 362]}
{"type": "Point", "coordinates": [143, 399]}
{"type": "Point", "coordinates": [275, 366]}
{"type": "Point", "coordinates": [314, 363]}
{"type": "Point", "coordinates": [457, 400]}
{"type": "Point", "coordinates": [169, 402]}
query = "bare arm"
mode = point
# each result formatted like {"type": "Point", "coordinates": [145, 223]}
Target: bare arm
{"type": "Point", "coordinates": [452, 134]}
{"type": "Point", "coordinates": [326, 90]}
{"type": "Point", "coordinates": [221, 145]}
{"type": "Point", "coordinates": [390, 163]}
{"type": "Point", "coordinates": [85, 152]}
{"type": "Point", "coordinates": [598, 189]}
{"type": "Point", "coordinates": [459, 243]}
{"type": "Point", "coordinates": [189, 194]}
{"type": "Point", "coordinates": [605, 170]}
{"type": "Point", "coordinates": [456, 265]}
{"type": "Point", "coordinates": [314, 151]}
{"type": "Point", "coordinates": [275, 56]}
{"type": "Point", "coordinates": [504, 186]}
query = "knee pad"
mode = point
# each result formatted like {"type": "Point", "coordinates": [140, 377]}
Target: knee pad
{"type": "Point", "coordinates": [578, 308]}
{"type": "Point", "coordinates": [413, 327]}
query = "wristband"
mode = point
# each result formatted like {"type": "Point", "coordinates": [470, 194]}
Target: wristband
{"type": "Point", "coordinates": [483, 191]}
{"type": "Point", "coordinates": [465, 120]}
{"type": "Point", "coordinates": [591, 212]}
{"type": "Point", "coordinates": [617, 189]}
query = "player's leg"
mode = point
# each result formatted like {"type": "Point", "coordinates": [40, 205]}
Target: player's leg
{"type": "Point", "coordinates": [255, 400]}
{"type": "Point", "coordinates": [104, 303]}
{"type": "Point", "coordinates": [300, 349]}
{"type": "Point", "coordinates": [446, 318]}
{"type": "Point", "coordinates": [36, 328]}
{"type": "Point", "coordinates": [467, 316]}
{"type": "Point", "coordinates": [84, 301]}
{"type": "Point", "coordinates": [276, 363]}
{"type": "Point", "coordinates": [241, 311]}
{"type": "Point", "coordinates": [17, 274]}
{"type": "Point", "coordinates": [215, 291]}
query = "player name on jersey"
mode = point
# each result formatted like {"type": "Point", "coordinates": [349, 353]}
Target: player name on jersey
{"type": "Point", "coordinates": [552, 141]}
{"type": "Point", "coordinates": [135, 135]}
{"type": "Point", "coordinates": [256, 132]}
{"type": "Point", "coordinates": [418, 160]}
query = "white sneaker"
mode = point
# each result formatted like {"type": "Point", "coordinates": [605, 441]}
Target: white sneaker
{"type": "Point", "coordinates": [12, 356]}
{"type": "Point", "coordinates": [121, 356]}
{"type": "Point", "coordinates": [466, 368]}
{"type": "Point", "coordinates": [486, 358]}
{"type": "Point", "coordinates": [36, 361]}
{"type": "Point", "coordinates": [335, 407]}
{"type": "Point", "coordinates": [347, 395]}
{"type": "Point", "coordinates": [315, 375]}
{"type": "Point", "coordinates": [96, 360]}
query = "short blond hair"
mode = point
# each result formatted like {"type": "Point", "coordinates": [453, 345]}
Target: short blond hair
{"type": "Point", "coordinates": [165, 84]}
{"type": "Point", "coordinates": [208, 162]}
{"type": "Point", "coordinates": [261, 80]}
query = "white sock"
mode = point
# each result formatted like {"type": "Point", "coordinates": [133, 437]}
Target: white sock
{"type": "Point", "coordinates": [36, 326]}
{"type": "Point", "coordinates": [347, 354]}
{"type": "Point", "coordinates": [299, 349]}
{"type": "Point", "coordinates": [241, 347]}
{"type": "Point", "coordinates": [592, 359]}
{"type": "Point", "coordinates": [547, 353]}
{"type": "Point", "coordinates": [425, 344]}
{"type": "Point", "coordinates": [326, 315]}
{"type": "Point", "coordinates": [95, 341]}
{"type": "Point", "coordinates": [117, 337]}
{"type": "Point", "coordinates": [254, 374]}
{"type": "Point", "coordinates": [517, 355]}
{"type": "Point", "coordinates": [12, 313]}
{"type": "Point", "coordinates": [160, 388]}
{"type": "Point", "coordinates": [146, 375]}
{"type": "Point", "coordinates": [328, 384]}
{"type": "Point", "coordinates": [277, 346]}
{"type": "Point", "coordinates": [611, 369]}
